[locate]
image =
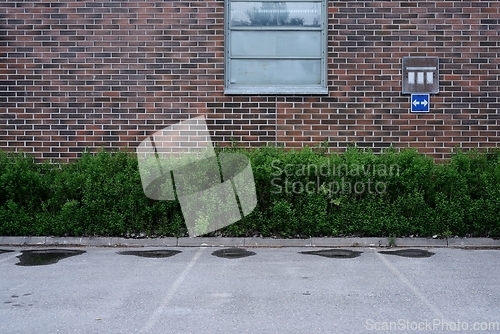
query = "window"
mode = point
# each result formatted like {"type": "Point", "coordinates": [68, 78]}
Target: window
{"type": "Point", "coordinates": [276, 47]}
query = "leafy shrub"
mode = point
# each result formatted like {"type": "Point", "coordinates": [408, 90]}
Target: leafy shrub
{"type": "Point", "coordinates": [300, 193]}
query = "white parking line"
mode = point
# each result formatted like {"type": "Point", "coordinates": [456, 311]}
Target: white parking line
{"type": "Point", "coordinates": [412, 287]}
{"type": "Point", "coordinates": [171, 293]}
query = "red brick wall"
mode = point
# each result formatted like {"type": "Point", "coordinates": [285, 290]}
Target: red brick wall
{"type": "Point", "coordinates": [77, 74]}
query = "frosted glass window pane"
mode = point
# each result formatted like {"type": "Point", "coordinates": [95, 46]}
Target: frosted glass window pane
{"type": "Point", "coordinates": [411, 78]}
{"type": "Point", "coordinates": [264, 72]}
{"type": "Point", "coordinates": [276, 43]}
{"type": "Point", "coordinates": [261, 14]}
{"type": "Point", "coordinates": [429, 77]}
{"type": "Point", "coordinates": [420, 77]}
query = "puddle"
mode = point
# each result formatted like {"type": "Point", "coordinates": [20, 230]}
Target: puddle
{"type": "Point", "coordinates": [335, 253]}
{"type": "Point", "coordinates": [41, 257]}
{"type": "Point", "coordinates": [409, 253]}
{"type": "Point", "coordinates": [232, 253]}
{"type": "Point", "coordinates": [159, 253]}
{"type": "Point", "coordinates": [5, 251]}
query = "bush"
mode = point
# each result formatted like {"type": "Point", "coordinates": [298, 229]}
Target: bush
{"type": "Point", "coordinates": [300, 193]}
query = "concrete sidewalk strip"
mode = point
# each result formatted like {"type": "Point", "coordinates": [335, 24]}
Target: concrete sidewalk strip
{"type": "Point", "coordinates": [420, 242]}
{"type": "Point", "coordinates": [473, 242]}
{"type": "Point", "coordinates": [21, 241]}
{"type": "Point", "coordinates": [248, 242]}
{"type": "Point", "coordinates": [349, 242]}
{"type": "Point", "coordinates": [67, 241]}
{"type": "Point", "coordinates": [97, 242]}
{"type": "Point", "coordinates": [270, 242]}
{"type": "Point", "coordinates": [76, 241]}
{"type": "Point", "coordinates": [210, 242]}
{"type": "Point", "coordinates": [147, 242]}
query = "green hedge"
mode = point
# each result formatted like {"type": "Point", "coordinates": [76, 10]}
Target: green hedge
{"type": "Point", "coordinates": [300, 193]}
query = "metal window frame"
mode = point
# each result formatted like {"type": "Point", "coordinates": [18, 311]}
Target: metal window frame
{"type": "Point", "coordinates": [231, 89]}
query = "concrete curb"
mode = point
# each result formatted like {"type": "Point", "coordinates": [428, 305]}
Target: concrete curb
{"type": "Point", "coordinates": [210, 242]}
{"type": "Point", "coordinates": [349, 242]}
{"type": "Point", "coordinates": [421, 242]}
{"type": "Point", "coordinates": [270, 242]}
{"type": "Point", "coordinates": [249, 242]}
{"type": "Point", "coordinates": [158, 242]}
{"type": "Point", "coordinates": [473, 242]}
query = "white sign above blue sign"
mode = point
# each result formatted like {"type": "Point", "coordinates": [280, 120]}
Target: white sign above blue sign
{"type": "Point", "coordinates": [420, 102]}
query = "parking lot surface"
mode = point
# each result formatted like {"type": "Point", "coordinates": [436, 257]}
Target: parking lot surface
{"type": "Point", "coordinates": [271, 290]}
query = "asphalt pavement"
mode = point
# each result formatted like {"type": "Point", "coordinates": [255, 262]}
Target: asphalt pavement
{"type": "Point", "coordinates": [275, 290]}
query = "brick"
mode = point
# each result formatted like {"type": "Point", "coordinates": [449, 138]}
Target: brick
{"type": "Point", "coordinates": [82, 75]}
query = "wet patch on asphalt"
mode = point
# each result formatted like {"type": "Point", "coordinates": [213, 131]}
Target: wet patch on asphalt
{"type": "Point", "coordinates": [232, 253]}
{"type": "Point", "coordinates": [5, 251]}
{"type": "Point", "coordinates": [41, 257]}
{"type": "Point", "coordinates": [416, 253]}
{"type": "Point", "coordinates": [335, 253]}
{"type": "Point", "coordinates": [156, 254]}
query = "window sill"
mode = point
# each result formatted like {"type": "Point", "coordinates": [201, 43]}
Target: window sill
{"type": "Point", "coordinates": [276, 91]}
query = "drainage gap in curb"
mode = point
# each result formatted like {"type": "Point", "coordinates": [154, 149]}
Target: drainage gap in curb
{"type": "Point", "coordinates": [232, 253]}
{"type": "Point", "coordinates": [41, 257]}
{"type": "Point", "coordinates": [5, 251]}
{"type": "Point", "coordinates": [335, 253]}
{"type": "Point", "coordinates": [418, 253]}
{"type": "Point", "coordinates": [156, 254]}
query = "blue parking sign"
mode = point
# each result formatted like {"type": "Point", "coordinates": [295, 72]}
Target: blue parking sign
{"type": "Point", "coordinates": [420, 102]}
